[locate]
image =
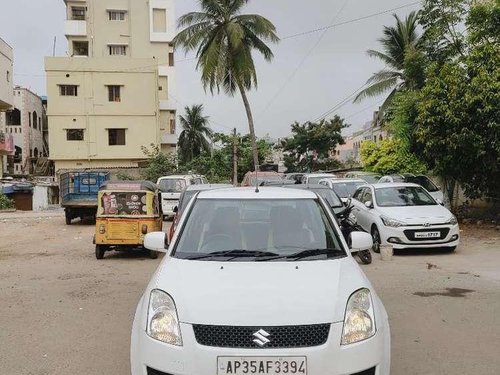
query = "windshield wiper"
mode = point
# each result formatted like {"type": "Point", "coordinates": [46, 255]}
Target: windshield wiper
{"type": "Point", "coordinates": [232, 254]}
{"type": "Point", "coordinates": [329, 252]}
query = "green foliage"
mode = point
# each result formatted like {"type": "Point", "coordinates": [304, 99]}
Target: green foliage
{"type": "Point", "coordinates": [5, 203]}
{"type": "Point", "coordinates": [312, 137]}
{"type": "Point", "coordinates": [195, 136]}
{"type": "Point", "coordinates": [124, 176]}
{"type": "Point", "coordinates": [216, 167]}
{"type": "Point", "coordinates": [158, 164]}
{"type": "Point", "coordinates": [388, 157]}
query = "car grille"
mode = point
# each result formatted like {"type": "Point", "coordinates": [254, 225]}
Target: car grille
{"type": "Point", "coordinates": [279, 336]}
{"type": "Point", "coordinates": [410, 234]}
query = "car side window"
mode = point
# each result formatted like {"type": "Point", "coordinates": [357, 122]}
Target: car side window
{"type": "Point", "coordinates": [358, 194]}
{"type": "Point", "coordinates": [368, 196]}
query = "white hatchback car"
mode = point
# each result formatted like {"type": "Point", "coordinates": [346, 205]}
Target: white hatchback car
{"type": "Point", "coordinates": [404, 215]}
{"type": "Point", "coordinates": [259, 283]}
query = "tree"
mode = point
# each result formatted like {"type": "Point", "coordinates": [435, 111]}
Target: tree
{"type": "Point", "coordinates": [225, 39]}
{"type": "Point", "coordinates": [459, 109]}
{"type": "Point", "coordinates": [388, 157]}
{"type": "Point", "coordinates": [400, 49]}
{"type": "Point", "coordinates": [193, 138]}
{"type": "Point", "coordinates": [158, 164]}
{"type": "Point", "coordinates": [311, 141]}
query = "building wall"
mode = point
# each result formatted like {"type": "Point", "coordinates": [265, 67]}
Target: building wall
{"type": "Point", "coordinates": [6, 75]}
{"type": "Point", "coordinates": [145, 74]}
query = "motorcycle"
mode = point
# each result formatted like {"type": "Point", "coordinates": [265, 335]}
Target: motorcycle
{"type": "Point", "coordinates": [348, 224]}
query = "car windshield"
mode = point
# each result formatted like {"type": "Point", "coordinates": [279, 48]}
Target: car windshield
{"type": "Point", "coordinates": [371, 179]}
{"type": "Point", "coordinates": [262, 179]}
{"type": "Point", "coordinates": [172, 185]}
{"type": "Point", "coordinates": [330, 197]}
{"type": "Point", "coordinates": [423, 181]}
{"type": "Point", "coordinates": [346, 189]}
{"type": "Point", "coordinates": [403, 196]}
{"type": "Point", "coordinates": [258, 230]}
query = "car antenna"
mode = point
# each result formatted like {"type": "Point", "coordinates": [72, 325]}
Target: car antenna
{"type": "Point", "coordinates": [256, 180]}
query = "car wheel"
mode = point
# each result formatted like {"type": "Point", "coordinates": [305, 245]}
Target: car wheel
{"type": "Point", "coordinates": [99, 251]}
{"type": "Point", "coordinates": [376, 240]}
{"type": "Point", "coordinates": [68, 218]}
{"type": "Point", "coordinates": [153, 254]}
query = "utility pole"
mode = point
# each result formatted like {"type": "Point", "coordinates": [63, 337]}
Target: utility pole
{"type": "Point", "coordinates": [235, 158]}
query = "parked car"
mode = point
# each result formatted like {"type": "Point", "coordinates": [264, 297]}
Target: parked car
{"type": "Point", "coordinates": [343, 187]}
{"type": "Point", "coordinates": [314, 178]}
{"type": "Point", "coordinates": [296, 177]}
{"type": "Point", "coordinates": [257, 178]}
{"type": "Point", "coordinates": [171, 188]}
{"type": "Point", "coordinates": [404, 215]}
{"type": "Point", "coordinates": [188, 193]}
{"type": "Point", "coordinates": [369, 177]}
{"type": "Point", "coordinates": [420, 179]}
{"type": "Point", "coordinates": [333, 200]}
{"type": "Point", "coordinates": [261, 281]}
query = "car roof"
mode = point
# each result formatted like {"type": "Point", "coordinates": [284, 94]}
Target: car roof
{"type": "Point", "coordinates": [318, 174]}
{"type": "Point", "coordinates": [265, 192]}
{"type": "Point", "coordinates": [393, 184]}
{"type": "Point", "coordinates": [179, 176]}
{"type": "Point", "coordinates": [307, 186]}
{"type": "Point", "coordinates": [202, 187]}
{"type": "Point", "coordinates": [263, 173]}
{"type": "Point", "coordinates": [344, 180]}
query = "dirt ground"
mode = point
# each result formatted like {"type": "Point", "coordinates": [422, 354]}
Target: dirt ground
{"type": "Point", "coordinates": [63, 312]}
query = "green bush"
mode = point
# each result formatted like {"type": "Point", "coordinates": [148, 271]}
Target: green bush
{"type": "Point", "coordinates": [5, 203]}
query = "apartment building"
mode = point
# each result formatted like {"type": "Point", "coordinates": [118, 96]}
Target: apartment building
{"type": "Point", "coordinates": [6, 99]}
{"type": "Point", "coordinates": [25, 123]}
{"type": "Point", "coordinates": [114, 94]}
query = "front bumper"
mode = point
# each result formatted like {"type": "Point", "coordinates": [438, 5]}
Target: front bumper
{"type": "Point", "coordinates": [401, 238]}
{"type": "Point", "coordinates": [195, 359]}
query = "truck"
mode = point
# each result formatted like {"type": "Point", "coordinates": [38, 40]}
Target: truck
{"type": "Point", "coordinates": [78, 191]}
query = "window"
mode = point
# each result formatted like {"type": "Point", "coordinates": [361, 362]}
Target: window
{"type": "Point", "coordinates": [172, 126]}
{"type": "Point", "coordinates": [8, 76]}
{"type": "Point", "coordinates": [114, 93]}
{"type": "Point", "coordinates": [35, 120]}
{"type": "Point", "coordinates": [116, 137]}
{"type": "Point", "coordinates": [171, 59]}
{"type": "Point", "coordinates": [29, 118]}
{"type": "Point", "coordinates": [81, 48]}
{"type": "Point", "coordinates": [68, 90]}
{"type": "Point", "coordinates": [117, 50]}
{"type": "Point", "coordinates": [159, 20]}
{"type": "Point", "coordinates": [78, 13]}
{"type": "Point", "coordinates": [74, 134]}
{"type": "Point", "coordinates": [117, 15]}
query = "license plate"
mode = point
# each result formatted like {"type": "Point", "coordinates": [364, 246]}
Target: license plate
{"type": "Point", "coordinates": [427, 234]}
{"type": "Point", "coordinates": [261, 365]}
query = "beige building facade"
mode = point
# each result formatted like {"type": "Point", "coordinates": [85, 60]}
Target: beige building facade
{"type": "Point", "coordinates": [6, 99]}
{"type": "Point", "coordinates": [115, 93]}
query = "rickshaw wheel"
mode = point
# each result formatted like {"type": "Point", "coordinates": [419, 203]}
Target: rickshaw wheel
{"type": "Point", "coordinates": [99, 251]}
{"type": "Point", "coordinates": [153, 254]}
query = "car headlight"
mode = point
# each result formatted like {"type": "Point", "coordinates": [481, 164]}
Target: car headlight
{"type": "Point", "coordinates": [453, 220]}
{"type": "Point", "coordinates": [388, 222]}
{"type": "Point", "coordinates": [163, 323]}
{"type": "Point", "coordinates": [359, 320]}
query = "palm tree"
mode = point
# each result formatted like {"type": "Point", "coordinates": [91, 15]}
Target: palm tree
{"type": "Point", "coordinates": [397, 43]}
{"type": "Point", "coordinates": [224, 39]}
{"type": "Point", "coordinates": [195, 131]}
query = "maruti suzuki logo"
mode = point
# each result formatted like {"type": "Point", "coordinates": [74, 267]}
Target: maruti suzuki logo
{"type": "Point", "coordinates": [261, 338]}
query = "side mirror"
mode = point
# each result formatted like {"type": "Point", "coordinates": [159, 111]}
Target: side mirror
{"type": "Point", "coordinates": [176, 209]}
{"type": "Point", "coordinates": [439, 201]}
{"type": "Point", "coordinates": [156, 241]}
{"type": "Point", "coordinates": [369, 204]}
{"type": "Point", "coordinates": [360, 241]}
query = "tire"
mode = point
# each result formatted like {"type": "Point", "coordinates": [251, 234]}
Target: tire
{"type": "Point", "coordinates": [365, 256]}
{"type": "Point", "coordinates": [68, 217]}
{"type": "Point", "coordinates": [99, 251]}
{"type": "Point", "coordinates": [153, 254]}
{"type": "Point", "coordinates": [376, 240]}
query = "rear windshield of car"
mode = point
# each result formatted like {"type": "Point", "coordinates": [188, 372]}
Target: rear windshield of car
{"type": "Point", "coordinates": [280, 226]}
{"type": "Point", "coordinates": [186, 197]}
{"type": "Point", "coordinates": [371, 179]}
{"type": "Point", "coordinates": [315, 180]}
{"type": "Point", "coordinates": [262, 179]}
{"type": "Point", "coordinates": [330, 197]}
{"type": "Point", "coordinates": [403, 196]}
{"type": "Point", "coordinates": [172, 185]}
{"type": "Point", "coordinates": [423, 181]}
{"type": "Point", "coordinates": [346, 189]}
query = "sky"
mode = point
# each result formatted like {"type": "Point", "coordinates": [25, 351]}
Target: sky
{"type": "Point", "coordinates": [310, 73]}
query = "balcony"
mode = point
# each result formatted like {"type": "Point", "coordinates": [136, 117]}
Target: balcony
{"type": "Point", "coordinates": [168, 105]}
{"type": "Point", "coordinates": [75, 28]}
{"type": "Point", "coordinates": [6, 144]}
{"type": "Point", "coordinates": [168, 139]}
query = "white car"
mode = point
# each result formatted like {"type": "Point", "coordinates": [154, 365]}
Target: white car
{"type": "Point", "coordinates": [343, 187]}
{"type": "Point", "coordinates": [421, 180]}
{"type": "Point", "coordinates": [171, 188]}
{"type": "Point", "coordinates": [259, 283]}
{"type": "Point", "coordinates": [404, 215]}
{"type": "Point", "coordinates": [314, 178]}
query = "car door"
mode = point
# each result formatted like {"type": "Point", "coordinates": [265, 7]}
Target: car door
{"type": "Point", "coordinates": [369, 214]}
{"type": "Point", "coordinates": [359, 208]}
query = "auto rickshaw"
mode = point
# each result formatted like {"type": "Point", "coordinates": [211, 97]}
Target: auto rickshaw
{"type": "Point", "coordinates": [127, 211]}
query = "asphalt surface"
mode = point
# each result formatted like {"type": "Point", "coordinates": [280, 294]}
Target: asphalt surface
{"type": "Point", "coordinates": [63, 312]}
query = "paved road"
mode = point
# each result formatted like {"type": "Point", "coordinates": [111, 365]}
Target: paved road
{"type": "Point", "coordinates": [63, 312]}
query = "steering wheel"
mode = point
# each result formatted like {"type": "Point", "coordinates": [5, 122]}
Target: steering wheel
{"type": "Point", "coordinates": [213, 241]}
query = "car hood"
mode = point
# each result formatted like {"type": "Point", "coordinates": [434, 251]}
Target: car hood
{"type": "Point", "coordinates": [418, 214]}
{"type": "Point", "coordinates": [260, 293]}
